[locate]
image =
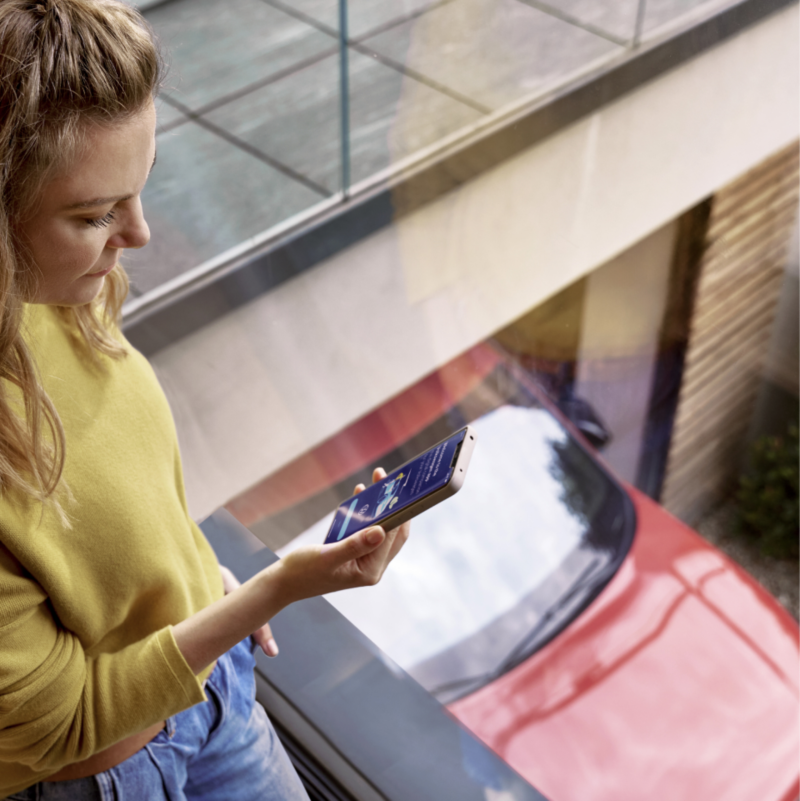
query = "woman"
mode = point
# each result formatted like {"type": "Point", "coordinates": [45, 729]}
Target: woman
{"type": "Point", "coordinates": [125, 667]}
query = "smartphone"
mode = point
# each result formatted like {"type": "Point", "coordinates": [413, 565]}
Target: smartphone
{"type": "Point", "coordinates": [409, 490]}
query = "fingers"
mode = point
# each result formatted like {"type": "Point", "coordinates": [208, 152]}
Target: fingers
{"type": "Point", "coordinates": [359, 545]}
{"type": "Point", "coordinates": [373, 565]}
{"type": "Point", "coordinates": [262, 636]}
{"type": "Point", "coordinates": [377, 474]}
{"type": "Point", "coordinates": [229, 581]}
{"type": "Point", "coordinates": [265, 640]}
{"type": "Point", "coordinates": [399, 538]}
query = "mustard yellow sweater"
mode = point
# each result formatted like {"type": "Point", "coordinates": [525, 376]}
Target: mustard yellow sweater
{"type": "Point", "coordinates": [87, 655]}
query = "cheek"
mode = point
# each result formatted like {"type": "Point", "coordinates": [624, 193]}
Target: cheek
{"type": "Point", "coordinates": [65, 254]}
{"type": "Point", "coordinates": [62, 256]}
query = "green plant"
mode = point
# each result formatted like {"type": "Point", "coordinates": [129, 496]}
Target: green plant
{"type": "Point", "coordinates": [768, 495]}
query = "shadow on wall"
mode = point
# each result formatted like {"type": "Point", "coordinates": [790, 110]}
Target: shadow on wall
{"type": "Point", "coordinates": [598, 349]}
{"type": "Point", "coordinates": [777, 405]}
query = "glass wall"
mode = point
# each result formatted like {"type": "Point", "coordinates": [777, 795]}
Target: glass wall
{"type": "Point", "coordinates": [273, 112]}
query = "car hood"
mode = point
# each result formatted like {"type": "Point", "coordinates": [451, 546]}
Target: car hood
{"type": "Point", "coordinates": [679, 681]}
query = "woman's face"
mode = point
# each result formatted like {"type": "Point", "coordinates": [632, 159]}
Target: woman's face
{"type": "Point", "coordinates": [91, 211]}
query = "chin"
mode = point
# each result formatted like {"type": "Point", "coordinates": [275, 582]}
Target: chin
{"type": "Point", "coordinates": [81, 292]}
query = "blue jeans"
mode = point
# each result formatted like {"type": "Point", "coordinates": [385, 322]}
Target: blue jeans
{"type": "Point", "coordinates": [220, 750]}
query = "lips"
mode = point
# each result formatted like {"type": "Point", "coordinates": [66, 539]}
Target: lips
{"type": "Point", "coordinates": [100, 273]}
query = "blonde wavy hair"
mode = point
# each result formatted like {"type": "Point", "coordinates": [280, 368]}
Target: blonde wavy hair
{"type": "Point", "coordinates": [64, 64]}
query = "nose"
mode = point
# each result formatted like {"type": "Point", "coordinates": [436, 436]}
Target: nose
{"type": "Point", "coordinates": [133, 231]}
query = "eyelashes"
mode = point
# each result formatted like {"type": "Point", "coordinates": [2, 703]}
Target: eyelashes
{"type": "Point", "coordinates": [102, 222]}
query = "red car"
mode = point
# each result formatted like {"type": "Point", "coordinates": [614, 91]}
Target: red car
{"type": "Point", "coordinates": [593, 641]}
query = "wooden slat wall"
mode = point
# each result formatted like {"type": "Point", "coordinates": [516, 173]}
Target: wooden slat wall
{"type": "Point", "coordinates": [740, 276]}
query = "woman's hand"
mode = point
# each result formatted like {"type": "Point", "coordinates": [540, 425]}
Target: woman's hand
{"type": "Point", "coordinates": [358, 561]}
{"type": "Point", "coordinates": [263, 635]}
{"type": "Point", "coordinates": [312, 570]}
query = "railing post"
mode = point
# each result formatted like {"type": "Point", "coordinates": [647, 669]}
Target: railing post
{"type": "Point", "coordinates": [637, 33]}
{"type": "Point", "coordinates": [344, 104]}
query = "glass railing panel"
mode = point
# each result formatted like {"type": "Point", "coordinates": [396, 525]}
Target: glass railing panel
{"type": "Point", "coordinates": [257, 126]}
{"type": "Point", "coordinates": [364, 16]}
{"type": "Point", "coordinates": [613, 19]}
{"type": "Point", "coordinates": [487, 55]}
{"type": "Point", "coordinates": [204, 197]}
{"type": "Point", "coordinates": [662, 13]}
{"type": "Point", "coordinates": [219, 49]}
{"type": "Point", "coordinates": [295, 120]}
{"type": "Point", "coordinates": [238, 152]}
{"type": "Point", "coordinates": [624, 21]}
{"type": "Point", "coordinates": [168, 117]}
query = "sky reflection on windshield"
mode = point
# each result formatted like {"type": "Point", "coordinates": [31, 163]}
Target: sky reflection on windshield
{"type": "Point", "coordinates": [476, 555]}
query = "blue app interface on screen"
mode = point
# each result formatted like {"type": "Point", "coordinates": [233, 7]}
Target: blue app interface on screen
{"type": "Point", "coordinates": [428, 472]}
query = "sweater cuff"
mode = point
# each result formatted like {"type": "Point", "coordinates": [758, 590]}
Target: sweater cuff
{"type": "Point", "coordinates": [185, 679]}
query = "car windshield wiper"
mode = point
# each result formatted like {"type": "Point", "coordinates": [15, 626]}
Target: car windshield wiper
{"type": "Point", "coordinates": [522, 650]}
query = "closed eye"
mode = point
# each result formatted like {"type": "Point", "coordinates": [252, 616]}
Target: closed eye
{"type": "Point", "coordinates": [101, 222]}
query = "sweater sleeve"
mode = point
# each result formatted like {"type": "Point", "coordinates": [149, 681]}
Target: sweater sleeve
{"type": "Point", "coordinates": [58, 705]}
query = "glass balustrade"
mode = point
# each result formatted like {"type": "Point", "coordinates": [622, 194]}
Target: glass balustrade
{"type": "Point", "coordinates": [275, 113]}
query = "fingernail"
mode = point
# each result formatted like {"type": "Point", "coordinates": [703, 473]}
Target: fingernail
{"type": "Point", "coordinates": [272, 647]}
{"type": "Point", "coordinates": [374, 537]}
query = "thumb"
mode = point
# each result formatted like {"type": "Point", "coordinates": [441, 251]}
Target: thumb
{"type": "Point", "coordinates": [360, 544]}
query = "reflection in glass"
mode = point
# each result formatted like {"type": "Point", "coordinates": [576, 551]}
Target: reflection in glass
{"type": "Point", "coordinates": [490, 574]}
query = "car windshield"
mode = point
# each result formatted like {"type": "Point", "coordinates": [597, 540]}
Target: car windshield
{"type": "Point", "coordinates": [491, 574]}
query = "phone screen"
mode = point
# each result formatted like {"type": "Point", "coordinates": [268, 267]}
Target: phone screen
{"type": "Point", "coordinates": [427, 473]}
